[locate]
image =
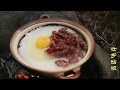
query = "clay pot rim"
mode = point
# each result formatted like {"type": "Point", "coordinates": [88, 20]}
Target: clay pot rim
{"type": "Point", "coordinates": [87, 35]}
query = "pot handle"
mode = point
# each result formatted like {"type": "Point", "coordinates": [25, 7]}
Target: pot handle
{"type": "Point", "coordinates": [71, 76]}
{"type": "Point", "coordinates": [44, 16]}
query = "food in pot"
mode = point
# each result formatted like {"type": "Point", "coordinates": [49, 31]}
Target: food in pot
{"type": "Point", "coordinates": [67, 47]}
{"type": "Point", "coordinates": [66, 44]}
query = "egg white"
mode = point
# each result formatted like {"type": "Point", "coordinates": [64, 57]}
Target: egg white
{"type": "Point", "coordinates": [28, 42]}
{"type": "Point", "coordinates": [37, 53]}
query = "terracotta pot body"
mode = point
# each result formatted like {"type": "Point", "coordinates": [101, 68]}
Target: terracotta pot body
{"type": "Point", "coordinates": [46, 20]}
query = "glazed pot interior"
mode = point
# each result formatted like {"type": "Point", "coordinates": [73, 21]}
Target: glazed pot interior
{"type": "Point", "coordinates": [19, 34]}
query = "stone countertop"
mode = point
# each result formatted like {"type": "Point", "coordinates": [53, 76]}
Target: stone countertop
{"type": "Point", "coordinates": [97, 67]}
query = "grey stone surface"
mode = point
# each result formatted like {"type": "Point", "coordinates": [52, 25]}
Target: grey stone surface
{"type": "Point", "coordinates": [10, 21]}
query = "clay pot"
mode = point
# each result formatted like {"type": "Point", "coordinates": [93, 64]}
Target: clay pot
{"type": "Point", "coordinates": [46, 20]}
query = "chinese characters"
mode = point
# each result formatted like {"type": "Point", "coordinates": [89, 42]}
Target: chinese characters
{"type": "Point", "coordinates": [113, 60]}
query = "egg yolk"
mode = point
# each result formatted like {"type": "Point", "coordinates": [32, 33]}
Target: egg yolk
{"type": "Point", "coordinates": [42, 42]}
